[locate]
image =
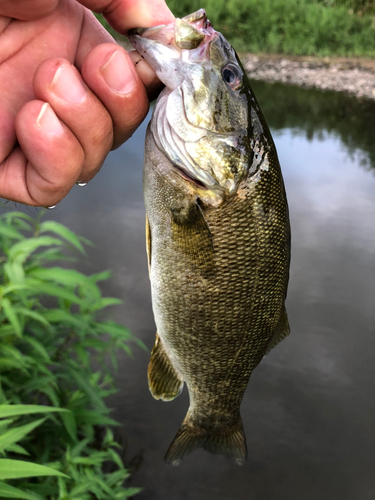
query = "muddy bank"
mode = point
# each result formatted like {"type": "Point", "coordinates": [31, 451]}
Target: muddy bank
{"type": "Point", "coordinates": [354, 76]}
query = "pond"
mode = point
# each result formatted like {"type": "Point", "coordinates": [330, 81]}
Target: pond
{"type": "Point", "coordinates": [309, 410]}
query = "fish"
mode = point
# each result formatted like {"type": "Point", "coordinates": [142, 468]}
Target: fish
{"type": "Point", "coordinates": [217, 233]}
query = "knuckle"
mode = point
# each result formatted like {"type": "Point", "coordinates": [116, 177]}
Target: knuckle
{"type": "Point", "coordinates": [101, 135]}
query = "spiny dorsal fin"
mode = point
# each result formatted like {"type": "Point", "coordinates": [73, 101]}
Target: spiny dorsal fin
{"type": "Point", "coordinates": [163, 380]}
{"type": "Point", "coordinates": [230, 442]}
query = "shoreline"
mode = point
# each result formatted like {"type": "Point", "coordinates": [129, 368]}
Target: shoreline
{"type": "Point", "coordinates": [355, 76]}
{"type": "Point", "coordinates": [352, 75]}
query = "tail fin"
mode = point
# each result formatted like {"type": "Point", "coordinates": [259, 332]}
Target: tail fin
{"type": "Point", "coordinates": [229, 441]}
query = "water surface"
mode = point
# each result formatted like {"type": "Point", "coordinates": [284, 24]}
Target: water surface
{"type": "Point", "coordinates": [309, 410]}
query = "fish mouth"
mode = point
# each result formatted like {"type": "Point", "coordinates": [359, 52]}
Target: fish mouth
{"type": "Point", "coordinates": [197, 19]}
{"type": "Point", "coordinates": [187, 33]}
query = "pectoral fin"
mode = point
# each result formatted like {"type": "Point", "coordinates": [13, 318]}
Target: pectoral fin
{"type": "Point", "coordinates": [163, 380]}
{"type": "Point", "coordinates": [192, 236]}
{"type": "Point", "coordinates": [281, 331]}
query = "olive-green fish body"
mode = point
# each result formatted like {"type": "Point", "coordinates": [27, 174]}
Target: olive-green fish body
{"type": "Point", "coordinates": [219, 263]}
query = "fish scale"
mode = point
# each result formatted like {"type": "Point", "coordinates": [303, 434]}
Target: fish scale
{"type": "Point", "coordinates": [219, 253]}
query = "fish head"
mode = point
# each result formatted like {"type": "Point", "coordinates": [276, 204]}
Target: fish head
{"type": "Point", "coordinates": [201, 119]}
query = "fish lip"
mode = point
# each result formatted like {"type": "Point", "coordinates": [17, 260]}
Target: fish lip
{"type": "Point", "coordinates": [191, 18]}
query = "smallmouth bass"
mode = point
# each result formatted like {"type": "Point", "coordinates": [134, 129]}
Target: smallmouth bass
{"type": "Point", "coordinates": [217, 231]}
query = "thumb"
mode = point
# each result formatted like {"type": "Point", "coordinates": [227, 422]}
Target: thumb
{"type": "Point", "coordinates": [126, 14]}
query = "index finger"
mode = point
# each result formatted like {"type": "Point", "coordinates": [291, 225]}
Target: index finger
{"type": "Point", "coordinates": [124, 15]}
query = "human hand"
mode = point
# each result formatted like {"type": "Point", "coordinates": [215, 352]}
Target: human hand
{"type": "Point", "coordinates": [68, 93]}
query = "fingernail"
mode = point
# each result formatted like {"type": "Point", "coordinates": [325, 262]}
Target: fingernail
{"type": "Point", "coordinates": [118, 73]}
{"type": "Point", "coordinates": [67, 85]}
{"type": "Point", "coordinates": [48, 121]}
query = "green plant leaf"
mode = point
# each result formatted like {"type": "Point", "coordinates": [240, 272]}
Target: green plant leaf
{"type": "Point", "coordinates": [33, 314]}
{"type": "Point", "coordinates": [14, 288]}
{"type": "Point", "coordinates": [13, 469]}
{"type": "Point", "coordinates": [11, 315]}
{"type": "Point", "coordinates": [21, 251]}
{"type": "Point", "coordinates": [88, 389]}
{"type": "Point", "coordinates": [6, 331]}
{"type": "Point", "coordinates": [79, 489]}
{"type": "Point", "coordinates": [38, 347]}
{"type": "Point", "coordinates": [15, 272]}
{"type": "Point", "coordinates": [11, 352]}
{"type": "Point", "coordinates": [10, 232]}
{"type": "Point", "coordinates": [4, 424]}
{"type": "Point", "coordinates": [130, 492]}
{"type": "Point", "coordinates": [16, 448]}
{"type": "Point", "coordinates": [61, 316]}
{"type": "Point", "coordinates": [103, 276]}
{"type": "Point", "coordinates": [16, 434]}
{"type": "Point", "coordinates": [16, 217]}
{"type": "Point", "coordinates": [63, 232]}
{"type": "Point", "coordinates": [7, 491]}
{"type": "Point", "coordinates": [9, 364]}
{"type": "Point", "coordinates": [93, 417]}
{"type": "Point", "coordinates": [14, 410]}
{"type": "Point", "coordinates": [54, 291]}
{"type": "Point", "coordinates": [83, 354]}
{"type": "Point", "coordinates": [70, 424]}
{"type": "Point", "coordinates": [108, 301]}
{"type": "Point", "coordinates": [68, 277]}
{"type": "Point", "coordinates": [115, 329]}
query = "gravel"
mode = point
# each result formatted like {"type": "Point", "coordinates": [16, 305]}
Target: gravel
{"type": "Point", "coordinates": [354, 76]}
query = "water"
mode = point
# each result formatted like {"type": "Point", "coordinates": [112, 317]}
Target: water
{"type": "Point", "coordinates": [309, 410]}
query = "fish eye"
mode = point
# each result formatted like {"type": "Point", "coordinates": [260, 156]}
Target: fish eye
{"type": "Point", "coordinates": [232, 75]}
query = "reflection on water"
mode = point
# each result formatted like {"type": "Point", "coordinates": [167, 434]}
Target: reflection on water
{"type": "Point", "coordinates": [314, 113]}
{"type": "Point", "coordinates": [309, 410]}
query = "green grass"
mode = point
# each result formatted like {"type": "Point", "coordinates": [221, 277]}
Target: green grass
{"type": "Point", "coordinates": [358, 6]}
{"type": "Point", "coordinates": [294, 27]}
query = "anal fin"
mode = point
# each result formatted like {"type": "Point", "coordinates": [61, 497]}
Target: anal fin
{"type": "Point", "coordinates": [163, 380]}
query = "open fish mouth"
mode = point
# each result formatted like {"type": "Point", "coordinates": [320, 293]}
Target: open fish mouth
{"type": "Point", "coordinates": [186, 33]}
{"type": "Point", "coordinates": [161, 44]}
